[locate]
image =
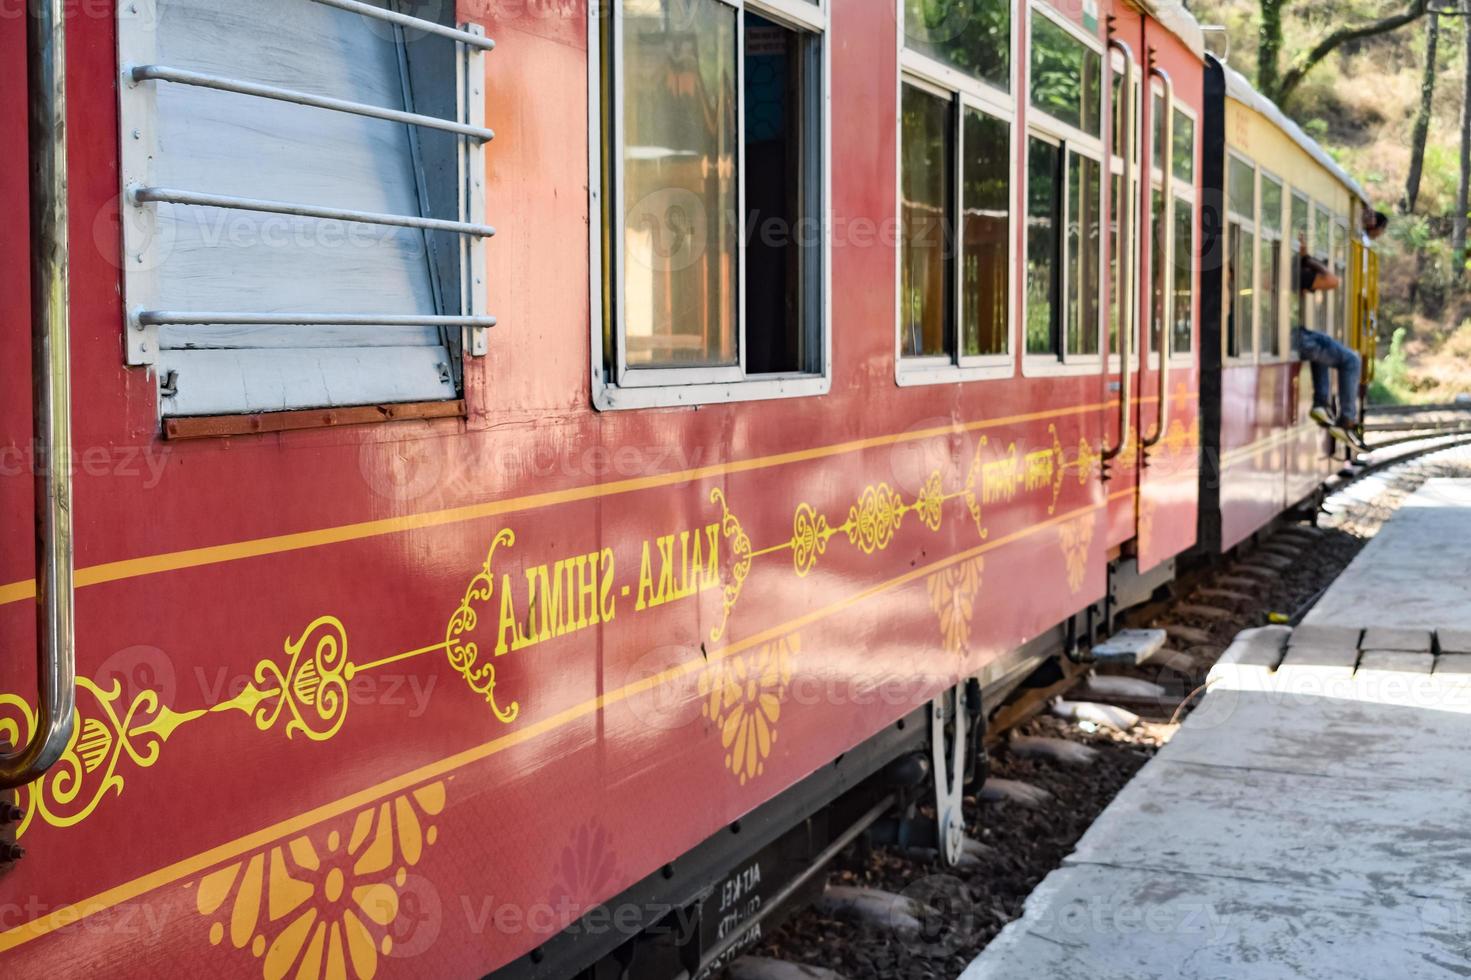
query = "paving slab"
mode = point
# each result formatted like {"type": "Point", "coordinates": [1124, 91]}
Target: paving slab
{"type": "Point", "coordinates": [1120, 924]}
{"type": "Point", "coordinates": [1326, 634]}
{"type": "Point", "coordinates": [1366, 836]}
{"type": "Point", "coordinates": [1455, 641]}
{"type": "Point", "coordinates": [1320, 730]}
{"type": "Point", "coordinates": [1453, 663]}
{"type": "Point", "coordinates": [1321, 659]}
{"type": "Point", "coordinates": [1395, 661]}
{"type": "Point", "coordinates": [1398, 638]}
{"type": "Point", "coordinates": [1414, 572]}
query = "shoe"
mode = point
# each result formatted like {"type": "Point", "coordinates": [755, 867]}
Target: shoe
{"type": "Point", "coordinates": [1320, 415]}
{"type": "Point", "coordinates": [1346, 432]}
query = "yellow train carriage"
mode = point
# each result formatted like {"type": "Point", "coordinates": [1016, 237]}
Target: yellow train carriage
{"type": "Point", "coordinates": [1269, 190]}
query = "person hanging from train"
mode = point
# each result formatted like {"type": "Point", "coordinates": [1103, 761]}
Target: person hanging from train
{"type": "Point", "coordinates": [1324, 354]}
{"type": "Point", "coordinates": [1375, 224]}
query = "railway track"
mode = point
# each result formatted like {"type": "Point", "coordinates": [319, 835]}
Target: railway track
{"type": "Point", "coordinates": [1410, 422]}
{"type": "Point", "coordinates": [1049, 777]}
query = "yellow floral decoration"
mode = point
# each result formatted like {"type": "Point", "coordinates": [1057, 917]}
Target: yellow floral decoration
{"type": "Point", "coordinates": [953, 592]}
{"type": "Point", "coordinates": [323, 914]}
{"type": "Point", "coordinates": [743, 696]}
{"type": "Point", "coordinates": [1075, 537]}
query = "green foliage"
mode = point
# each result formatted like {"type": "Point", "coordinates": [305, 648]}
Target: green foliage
{"type": "Point", "coordinates": [1391, 384]}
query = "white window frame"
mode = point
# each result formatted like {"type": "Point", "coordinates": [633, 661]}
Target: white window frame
{"type": "Point", "coordinates": [633, 388]}
{"type": "Point", "coordinates": [1248, 224]}
{"type": "Point", "coordinates": [966, 92]}
{"type": "Point", "coordinates": [1284, 275]}
{"type": "Point", "coordinates": [1185, 190]}
{"type": "Point", "coordinates": [137, 41]}
{"type": "Point", "coordinates": [1316, 208]}
{"type": "Point", "coordinates": [1295, 297]}
{"type": "Point", "coordinates": [1069, 139]}
{"type": "Point", "coordinates": [1156, 186]}
{"type": "Point", "coordinates": [1338, 231]}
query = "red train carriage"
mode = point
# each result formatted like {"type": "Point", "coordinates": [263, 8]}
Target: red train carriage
{"type": "Point", "coordinates": [846, 370]}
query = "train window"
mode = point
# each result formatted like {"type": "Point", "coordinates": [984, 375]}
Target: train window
{"type": "Point", "coordinates": [1157, 264]}
{"type": "Point", "coordinates": [1297, 304]}
{"type": "Point", "coordinates": [1157, 129]}
{"type": "Point", "coordinates": [1044, 217]}
{"type": "Point", "coordinates": [1184, 148]}
{"type": "Point", "coordinates": [1116, 279]}
{"type": "Point", "coordinates": [926, 180]}
{"type": "Point", "coordinates": [1340, 269]}
{"type": "Point", "coordinates": [955, 178]}
{"type": "Point", "coordinates": [1241, 259]}
{"type": "Point", "coordinates": [985, 235]}
{"type": "Point", "coordinates": [1269, 279]}
{"type": "Point", "coordinates": [296, 253]}
{"type": "Point", "coordinates": [1116, 198]}
{"type": "Point", "coordinates": [1083, 254]}
{"type": "Point", "coordinates": [1182, 315]}
{"type": "Point", "coordinates": [1322, 249]}
{"type": "Point", "coordinates": [1066, 76]}
{"type": "Point", "coordinates": [1065, 224]}
{"type": "Point", "coordinates": [711, 171]}
{"type": "Point", "coordinates": [971, 36]}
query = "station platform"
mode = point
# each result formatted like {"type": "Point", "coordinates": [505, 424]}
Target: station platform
{"type": "Point", "coordinates": [1312, 817]}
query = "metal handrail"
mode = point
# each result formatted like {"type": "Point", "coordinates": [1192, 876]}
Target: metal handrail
{"type": "Point", "coordinates": [1167, 227]}
{"type": "Point", "coordinates": [416, 23]}
{"type": "Point", "coordinates": [1126, 248]}
{"type": "Point", "coordinates": [51, 380]}
{"type": "Point", "coordinates": [180, 76]}
{"type": "Point", "coordinates": [176, 318]}
{"type": "Point", "coordinates": [169, 195]}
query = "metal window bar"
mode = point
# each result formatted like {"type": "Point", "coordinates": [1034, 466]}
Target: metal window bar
{"type": "Point", "coordinates": [169, 195]}
{"type": "Point", "coordinates": [165, 73]}
{"type": "Point", "coordinates": [175, 318]}
{"type": "Point", "coordinates": [415, 23]}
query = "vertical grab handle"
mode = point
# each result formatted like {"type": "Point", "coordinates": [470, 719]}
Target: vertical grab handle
{"type": "Point", "coordinates": [1127, 249]}
{"type": "Point", "coordinates": [51, 380]}
{"type": "Point", "coordinates": [1167, 227]}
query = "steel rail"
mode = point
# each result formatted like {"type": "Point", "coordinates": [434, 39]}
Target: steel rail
{"type": "Point", "coordinates": [170, 195]}
{"type": "Point", "coordinates": [51, 389]}
{"type": "Point", "coordinates": [175, 318]}
{"type": "Point", "coordinates": [180, 76]}
{"type": "Point", "coordinates": [415, 23]}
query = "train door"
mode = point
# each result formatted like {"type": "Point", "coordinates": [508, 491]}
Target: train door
{"type": "Point", "coordinates": [1167, 420]}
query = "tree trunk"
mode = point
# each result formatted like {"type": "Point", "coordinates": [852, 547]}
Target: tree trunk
{"type": "Point", "coordinates": [1304, 63]}
{"type": "Point", "coordinates": [1458, 232]}
{"type": "Point", "coordinates": [1269, 45]}
{"type": "Point", "coordinates": [1422, 121]}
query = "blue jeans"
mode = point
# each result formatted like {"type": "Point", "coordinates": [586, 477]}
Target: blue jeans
{"type": "Point", "coordinates": [1323, 352]}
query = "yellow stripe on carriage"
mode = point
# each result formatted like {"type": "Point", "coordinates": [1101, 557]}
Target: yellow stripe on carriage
{"type": "Point", "coordinates": [278, 544]}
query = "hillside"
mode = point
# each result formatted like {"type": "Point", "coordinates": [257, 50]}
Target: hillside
{"type": "Point", "coordinates": [1361, 103]}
